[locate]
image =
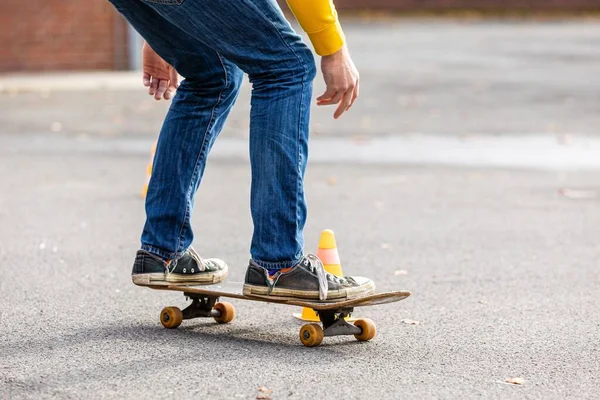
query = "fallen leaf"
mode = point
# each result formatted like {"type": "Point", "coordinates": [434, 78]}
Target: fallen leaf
{"type": "Point", "coordinates": [263, 396]}
{"type": "Point", "coordinates": [515, 381]}
{"type": "Point", "coordinates": [577, 194]}
{"type": "Point", "coordinates": [265, 390]}
{"type": "Point", "coordinates": [401, 272]}
{"type": "Point", "coordinates": [410, 322]}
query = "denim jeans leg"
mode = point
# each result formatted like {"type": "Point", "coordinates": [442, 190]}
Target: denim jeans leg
{"type": "Point", "coordinates": [194, 120]}
{"type": "Point", "coordinates": [278, 154]}
{"type": "Point", "coordinates": [255, 35]}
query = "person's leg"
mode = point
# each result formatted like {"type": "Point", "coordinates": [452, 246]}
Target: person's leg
{"type": "Point", "coordinates": [255, 35]}
{"type": "Point", "coordinates": [194, 120]}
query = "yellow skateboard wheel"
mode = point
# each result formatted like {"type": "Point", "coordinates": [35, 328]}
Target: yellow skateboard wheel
{"type": "Point", "coordinates": [227, 312]}
{"type": "Point", "coordinates": [368, 329]}
{"type": "Point", "coordinates": [311, 335]}
{"type": "Point", "coordinates": [171, 317]}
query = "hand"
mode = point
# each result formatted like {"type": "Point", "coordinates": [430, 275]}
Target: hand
{"type": "Point", "coordinates": [158, 75]}
{"type": "Point", "coordinates": [341, 78]}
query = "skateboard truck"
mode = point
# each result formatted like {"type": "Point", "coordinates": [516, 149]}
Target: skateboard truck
{"type": "Point", "coordinates": [335, 324]}
{"type": "Point", "coordinates": [202, 307]}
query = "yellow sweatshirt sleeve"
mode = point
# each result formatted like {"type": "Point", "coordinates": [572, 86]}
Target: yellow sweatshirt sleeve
{"type": "Point", "coordinates": [319, 20]}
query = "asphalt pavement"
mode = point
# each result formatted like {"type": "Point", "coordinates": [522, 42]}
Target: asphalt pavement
{"type": "Point", "coordinates": [501, 257]}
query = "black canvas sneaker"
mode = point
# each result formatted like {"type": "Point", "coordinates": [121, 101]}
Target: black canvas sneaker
{"type": "Point", "coordinates": [306, 280]}
{"type": "Point", "coordinates": [189, 269]}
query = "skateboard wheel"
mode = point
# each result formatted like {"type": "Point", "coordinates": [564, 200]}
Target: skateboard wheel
{"type": "Point", "coordinates": [367, 327]}
{"type": "Point", "coordinates": [171, 317]}
{"type": "Point", "coordinates": [311, 335]}
{"type": "Point", "coordinates": [227, 312]}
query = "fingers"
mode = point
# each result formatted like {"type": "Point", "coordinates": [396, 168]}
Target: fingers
{"type": "Point", "coordinates": [163, 85]}
{"type": "Point", "coordinates": [173, 84]}
{"type": "Point", "coordinates": [153, 86]}
{"type": "Point", "coordinates": [146, 79]}
{"type": "Point", "coordinates": [345, 104]}
{"type": "Point", "coordinates": [170, 91]}
{"type": "Point", "coordinates": [354, 96]}
{"type": "Point", "coordinates": [161, 88]}
{"type": "Point", "coordinates": [356, 93]}
{"type": "Point", "coordinates": [344, 97]}
{"type": "Point", "coordinates": [336, 98]}
{"type": "Point", "coordinates": [328, 95]}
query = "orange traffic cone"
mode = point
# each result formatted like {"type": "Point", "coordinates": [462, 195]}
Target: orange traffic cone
{"type": "Point", "coordinates": [328, 253]}
{"type": "Point", "coordinates": [149, 171]}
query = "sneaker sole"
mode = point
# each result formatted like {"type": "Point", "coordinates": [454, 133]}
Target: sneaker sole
{"type": "Point", "coordinates": [200, 278]}
{"type": "Point", "coordinates": [294, 294]}
{"type": "Point", "coordinates": [147, 279]}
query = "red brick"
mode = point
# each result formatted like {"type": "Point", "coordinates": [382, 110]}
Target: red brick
{"type": "Point", "coordinates": [60, 35]}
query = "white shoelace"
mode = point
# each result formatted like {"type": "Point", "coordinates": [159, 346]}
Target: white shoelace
{"type": "Point", "coordinates": [194, 254]}
{"type": "Point", "coordinates": [319, 268]}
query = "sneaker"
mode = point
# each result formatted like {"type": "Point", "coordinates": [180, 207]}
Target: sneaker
{"type": "Point", "coordinates": [189, 269]}
{"type": "Point", "coordinates": [306, 280]}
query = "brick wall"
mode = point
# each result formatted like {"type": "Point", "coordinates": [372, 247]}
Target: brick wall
{"type": "Point", "coordinates": [40, 35]}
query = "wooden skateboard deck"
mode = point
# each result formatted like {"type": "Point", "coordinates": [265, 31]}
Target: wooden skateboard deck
{"type": "Point", "coordinates": [332, 313]}
{"type": "Point", "coordinates": [234, 290]}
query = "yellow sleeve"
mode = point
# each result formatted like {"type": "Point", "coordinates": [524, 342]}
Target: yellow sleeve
{"type": "Point", "coordinates": [319, 20]}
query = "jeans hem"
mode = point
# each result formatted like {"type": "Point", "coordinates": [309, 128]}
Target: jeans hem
{"type": "Point", "coordinates": [166, 256]}
{"type": "Point", "coordinates": [278, 264]}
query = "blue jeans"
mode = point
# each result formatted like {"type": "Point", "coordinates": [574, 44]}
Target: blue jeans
{"type": "Point", "coordinates": [210, 43]}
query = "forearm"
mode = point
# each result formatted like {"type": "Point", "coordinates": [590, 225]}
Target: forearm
{"type": "Point", "coordinates": [319, 20]}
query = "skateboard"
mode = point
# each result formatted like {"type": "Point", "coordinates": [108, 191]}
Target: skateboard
{"type": "Point", "coordinates": [206, 304]}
